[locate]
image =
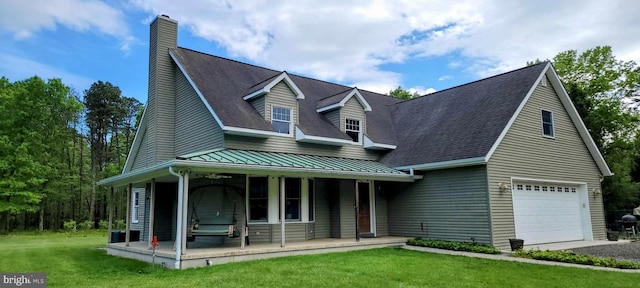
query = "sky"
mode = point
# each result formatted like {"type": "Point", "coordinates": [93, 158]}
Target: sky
{"type": "Point", "coordinates": [423, 46]}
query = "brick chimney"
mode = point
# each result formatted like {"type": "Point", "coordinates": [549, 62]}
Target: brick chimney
{"type": "Point", "coordinates": [160, 133]}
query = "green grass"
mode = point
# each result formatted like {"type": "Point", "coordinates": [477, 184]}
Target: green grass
{"type": "Point", "coordinates": [76, 261]}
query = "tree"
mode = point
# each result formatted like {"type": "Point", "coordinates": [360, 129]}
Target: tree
{"type": "Point", "coordinates": [34, 131]}
{"type": "Point", "coordinates": [104, 111]}
{"type": "Point", "coordinates": [403, 94]}
{"type": "Point", "coordinates": [603, 91]}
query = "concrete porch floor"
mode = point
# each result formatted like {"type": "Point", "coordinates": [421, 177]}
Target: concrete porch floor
{"type": "Point", "coordinates": [199, 257]}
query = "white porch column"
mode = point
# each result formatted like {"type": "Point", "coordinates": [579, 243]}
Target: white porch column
{"type": "Point", "coordinates": [185, 208]}
{"type": "Point", "coordinates": [178, 241]}
{"type": "Point", "coordinates": [152, 209]}
{"type": "Point", "coordinates": [282, 210]}
{"type": "Point", "coordinates": [110, 226]}
{"type": "Point", "coordinates": [357, 206]}
{"type": "Point", "coordinates": [128, 229]}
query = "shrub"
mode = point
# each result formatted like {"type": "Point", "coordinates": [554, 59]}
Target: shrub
{"type": "Point", "coordinates": [454, 245]}
{"type": "Point", "coordinates": [70, 226]}
{"type": "Point", "coordinates": [103, 224]}
{"type": "Point", "coordinates": [85, 225]}
{"type": "Point", "coordinates": [571, 257]}
{"type": "Point", "coordinates": [120, 225]}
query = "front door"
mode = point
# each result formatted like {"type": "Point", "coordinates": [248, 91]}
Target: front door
{"type": "Point", "coordinates": [364, 206]}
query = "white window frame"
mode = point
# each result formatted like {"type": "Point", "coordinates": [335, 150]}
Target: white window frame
{"type": "Point", "coordinates": [542, 123]}
{"type": "Point", "coordinates": [135, 206]}
{"type": "Point", "coordinates": [273, 108]}
{"type": "Point", "coordinates": [346, 119]}
{"type": "Point", "coordinates": [287, 199]}
{"type": "Point", "coordinates": [543, 81]}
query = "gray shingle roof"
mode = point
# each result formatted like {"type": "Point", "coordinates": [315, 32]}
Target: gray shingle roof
{"type": "Point", "coordinates": [223, 83]}
{"type": "Point", "coordinates": [458, 123]}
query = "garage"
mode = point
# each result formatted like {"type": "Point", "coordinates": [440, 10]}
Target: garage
{"type": "Point", "coordinates": [548, 212]}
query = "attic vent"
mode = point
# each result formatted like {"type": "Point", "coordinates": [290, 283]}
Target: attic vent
{"type": "Point", "coordinates": [543, 82]}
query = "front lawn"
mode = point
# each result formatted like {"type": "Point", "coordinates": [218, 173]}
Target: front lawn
{"type": "Point", "coordinates": [75, 261]}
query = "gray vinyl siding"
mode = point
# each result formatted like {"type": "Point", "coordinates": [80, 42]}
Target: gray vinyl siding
{"type": "Point", "coordinates": [196, 129]}
{"type": "Point", "coordinates": [382, 221]}
{"type": "Point", "coordinates": [347, 213]}
{"type": "Point", "coordinates": [166, 197]}
{"type": "Point", "coordinates": [323, 216]}
{"type": "Point", "coordinates": [524, 152]}
{"type": "Point", "coordinates": [270, 233]}
{"type": "Point", "coordinates": [282, 96]}
{"type": "Point", "coordinates": [451, 204]}
{"type": "Point", "coordinates": [353, 110]}
{"type": "Point", "coordinates": [161, 103]}
{"type": "Point", "coordinates": [333, 117]}
{"type": "Point", "coordinates": [258, 104]}
{"type": "Point", "coordinates": [141, 157]}
{"type": "Point", "coordinates": [311, 228]}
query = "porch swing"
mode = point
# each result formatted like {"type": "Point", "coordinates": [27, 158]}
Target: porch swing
{"type": "Point", "coordinates": [212, 226]}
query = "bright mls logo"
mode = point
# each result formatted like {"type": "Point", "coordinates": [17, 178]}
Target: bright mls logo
{"type": "Point", "coordinates": [23, 280]}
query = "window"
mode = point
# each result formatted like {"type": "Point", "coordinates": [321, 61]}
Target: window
{"type": "Point", "coordinates": [536, 188]}
{"type": "Point", "coordinates": [135, 205]}
{"type": "Point", "coordinates": [559, 189]}
{"type": "Point", "coordinates": [519, 186]}
{"type": "Point", "coordinates": [543, 82]}
{"type": "Point", "coordinates": [312, 197]}
{"type": "Point", "coordinates": [566, 189]}
{"type": "Point", "coordinates": [544, 188]}
{"type": "Point", "coordinates": [281, 120]}
{"type": "Point", "coordinates": [552, 189]}
{"type": "Point", "coordinates": [293, 193]}
{"type": "Point", "coordinates": [258, 199]}
{"type": "Point", "coordinates": [528, 187]}
{"type": "Point", "coordinates": [352, 127]}
{"type": "Point", "coordinates": [547, 124]}
{"type": "Point", "coordinates": [573, 190]}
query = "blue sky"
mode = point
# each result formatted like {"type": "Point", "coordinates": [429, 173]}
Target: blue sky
{"type": "Point", "coordinates": [375, 45]}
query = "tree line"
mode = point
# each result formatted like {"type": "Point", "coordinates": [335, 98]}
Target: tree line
{"type": "Point", "coordinates": [55, 143]}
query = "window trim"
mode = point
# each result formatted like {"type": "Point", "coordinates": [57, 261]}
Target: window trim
{"type": "Point", "coordinates": [360, 132]}
{"type": "Point", "coordinates": [542, 123]}
{"type": "Point", "coordinates": [290, 134]}
{"type": "Point", "coordinates": [135, 207]}
{"type": "Point", "coordinates": [286, 198]}
{"type": "Point", "coordinates": [248, 197]}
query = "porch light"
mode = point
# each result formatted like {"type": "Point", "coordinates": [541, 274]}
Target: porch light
{"type": "Point", "coordinates": [503, 187]}
{"type": "Point", "coordinates": [596, 192]}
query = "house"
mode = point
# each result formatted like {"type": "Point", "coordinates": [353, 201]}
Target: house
{"type": "Point", "coordinates": [223, 142]}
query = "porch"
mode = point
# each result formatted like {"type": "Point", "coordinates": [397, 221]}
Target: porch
{"type": "Point", "coordinates": [225, 253]}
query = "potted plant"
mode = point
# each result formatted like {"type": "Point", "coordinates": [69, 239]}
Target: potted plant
{"type": "Point", "coordinates": [516, 244]}
{"type": "Point", "coordinates": [612, 235]}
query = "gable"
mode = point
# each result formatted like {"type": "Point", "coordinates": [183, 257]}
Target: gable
{"type": "Point", "coordinates": [353, 110]}
{"type": "Point", "coordinates": [281, 96]}
{"type": "Point", "coordinates": [140, 156]}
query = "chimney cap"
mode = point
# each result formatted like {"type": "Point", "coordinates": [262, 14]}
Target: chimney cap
{"type": "Point", "coordinates": [165, 15]}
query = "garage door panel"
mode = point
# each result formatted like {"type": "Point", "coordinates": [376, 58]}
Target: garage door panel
{"type": "Point", "coordinates": [545, 213]}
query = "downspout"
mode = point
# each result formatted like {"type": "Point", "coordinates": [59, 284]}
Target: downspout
{"type": "Point", "coordinates": [178, 240]}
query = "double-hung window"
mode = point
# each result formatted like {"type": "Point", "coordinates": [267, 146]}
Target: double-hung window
{"type": "Point", "coordinates": [281, 119]}
{"type": "Point", "coordinates": [258, 199]}
{"type": "Point", "coordinates": [352, 128]}
{"type": "Point", "coordinates": [293, 197]}
{"type": "Point", "coordinates": [135, 206]}
{"type": "Point", "coordinates": [547, 124]}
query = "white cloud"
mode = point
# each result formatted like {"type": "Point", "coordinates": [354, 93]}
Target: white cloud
{"type": "Point", "coordinates": [445, 78]}
{"type": "Point", "coordinates": [25, 18]}
{"type": "Point", "coordinates": [17, 68]}
{"type": "Point", "coordinates": [350, 41]}
{"type": "Point", "coordinates": [421, 90]}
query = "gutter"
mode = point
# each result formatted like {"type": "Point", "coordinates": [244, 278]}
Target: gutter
{"type": "Point", "coordinates": [178, 223]}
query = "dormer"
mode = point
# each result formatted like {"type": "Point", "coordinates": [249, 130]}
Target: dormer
{"type": "Point", "coordinates": [276, 99]}
{"type": "Point", "coordinates": [346, 110]}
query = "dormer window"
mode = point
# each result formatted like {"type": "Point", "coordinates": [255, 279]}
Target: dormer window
{"type": "Point", "coordinates": [281, 120]}
{"type": "Point", "coordinates": [352, 128]}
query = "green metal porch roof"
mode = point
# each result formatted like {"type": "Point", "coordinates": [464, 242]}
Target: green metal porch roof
{"type": "Point", "coordinates": [290, 160]}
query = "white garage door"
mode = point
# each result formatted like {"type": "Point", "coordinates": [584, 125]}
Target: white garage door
{"type": "Point", "coordinates": [545, 213]}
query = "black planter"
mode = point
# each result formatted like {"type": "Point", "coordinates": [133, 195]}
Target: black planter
{"type": "Point", "coordinates": [516, 244]}
{"type": "Point", "coordinates": [612, 235]}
